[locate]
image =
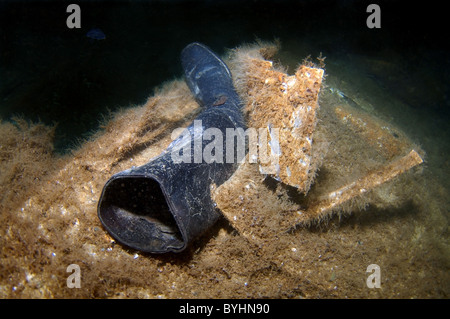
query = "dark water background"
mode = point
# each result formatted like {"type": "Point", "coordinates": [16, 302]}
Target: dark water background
{"type": "Point", "coordinates": [51, 73]}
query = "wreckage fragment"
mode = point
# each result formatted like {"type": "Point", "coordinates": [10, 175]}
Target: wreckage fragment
{"type": "Point", "coordinates": [389, 142]}
{"type": "Point", "coordinates": [258, 211]}
{"type": "Point", "coordinates": [286, 106]}
{"type": "Point", "coordinates": [362, 185]}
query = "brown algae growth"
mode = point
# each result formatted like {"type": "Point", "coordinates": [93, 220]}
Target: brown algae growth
{"type": "Point", "coordinates": [282, 250]}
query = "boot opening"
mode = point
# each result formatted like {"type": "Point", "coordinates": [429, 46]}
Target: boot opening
{"type": "Point", "coordinates": [135, 211]}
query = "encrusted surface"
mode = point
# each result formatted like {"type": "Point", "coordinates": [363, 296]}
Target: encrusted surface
{"type": "Point", "coordinates": [285, 106]}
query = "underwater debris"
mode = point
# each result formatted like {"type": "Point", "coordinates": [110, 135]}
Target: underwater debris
{"type": "Point", "coordinates": [286, 107]}
{"type": "Point", "coordinates": [163, 205]}
{"type": "Point", "coordinates": [289, 104]}
{"type": "Point", "coordinates": [362, 185]}
{"type": "Point", "coordinates": [388, 141]}
{"type": "Point", "coordinates": [272, 97]}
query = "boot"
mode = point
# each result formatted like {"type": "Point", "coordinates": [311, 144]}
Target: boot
{"type": "Point", "coordinates": [165, 204]}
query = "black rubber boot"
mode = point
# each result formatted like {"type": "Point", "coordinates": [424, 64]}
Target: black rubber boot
{"type": "Point", "coordinates": [163, 205]}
